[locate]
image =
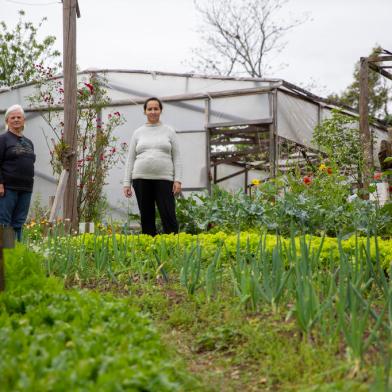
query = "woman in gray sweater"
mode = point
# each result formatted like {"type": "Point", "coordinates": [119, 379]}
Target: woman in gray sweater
{"type": "Point", "coordinates": [154, 169]}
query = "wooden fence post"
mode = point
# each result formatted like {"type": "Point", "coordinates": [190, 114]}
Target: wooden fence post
{"type": "Point", "coordinates": [7, 240]}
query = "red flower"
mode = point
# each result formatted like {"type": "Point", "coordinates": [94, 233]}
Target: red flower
{"type": "Point", "coordinates": [307, 180]}
{"type": "Point", "coordinates": [377, 176]}
{"type": "Point", "coordinates": [117, 114]}
{"type": "Point", "coordinates": [329, 170]}
{"type": "Point", "coordinates": [90, 87]}
{"type": "Point", "coordinates": [89, 158]}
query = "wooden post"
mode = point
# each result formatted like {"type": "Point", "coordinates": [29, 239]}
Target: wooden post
{"type": "Point", "coordinates": [70, 108]}
{"type": "Point", "coordinates": [58, 198]}
{"type": "Point", "coordinates": [246, 180]}
{"type": "Point", "coordinates": [207, 110]}
{"type": "Point", "coordinates": [273, 137]}
{"type": "Point", "coordinates": [364, 124]}
{"type": "Point", "coordinates": [2, 275]}
{"type": "Point", "coordinates": [7, 240]}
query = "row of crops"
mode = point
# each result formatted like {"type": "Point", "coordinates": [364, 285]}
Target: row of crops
{"type": "Point", "coordinates": [335, 292]}
{"type": "Point", "coordinates": [335, 289]}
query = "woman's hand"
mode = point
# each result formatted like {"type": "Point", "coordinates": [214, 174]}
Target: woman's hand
{"type": "Point", "coordinates": [127, 191]}
{"type": "Point", "coordinates": [2, 190]}
{"type": "Point", "coordinates": [176, 187]}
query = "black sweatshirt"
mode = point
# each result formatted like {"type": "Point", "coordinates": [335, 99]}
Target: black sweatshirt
{"type": "Point", "coordinates": [16, 162]}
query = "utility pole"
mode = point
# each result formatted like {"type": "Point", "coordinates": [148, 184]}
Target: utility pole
{"type": "Point", "coordinates": [70, 11]}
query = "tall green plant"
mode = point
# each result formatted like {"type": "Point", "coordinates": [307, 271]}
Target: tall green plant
{"type": "Point", "coordinates": [339, 137]}
{"type": "Point", "coordinates": [23, 55]}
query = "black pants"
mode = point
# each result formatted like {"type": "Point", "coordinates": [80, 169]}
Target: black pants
{"type": "Point", "coordinates": [159, 192]}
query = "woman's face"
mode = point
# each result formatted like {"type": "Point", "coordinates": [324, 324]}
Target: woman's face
{"type": "Point", "coordinates": [15, 121]}
{"type": "Point", "coordinates": [153, 112]}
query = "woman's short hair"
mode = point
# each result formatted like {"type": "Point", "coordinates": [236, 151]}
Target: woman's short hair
{"type": "Point", "coordinates": [11, 109]}
{"type": "Point", "coordinates": [152, 99]}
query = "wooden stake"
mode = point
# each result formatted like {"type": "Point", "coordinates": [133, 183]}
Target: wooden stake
{"type": "Point", "coordinates": [70, 108]}
{"type": "Point", "coordinates": [59, 195]}
{"type": "Point", "coordinates": [7, 240]}
{"type": "Point", "coordinates": [2, 277]}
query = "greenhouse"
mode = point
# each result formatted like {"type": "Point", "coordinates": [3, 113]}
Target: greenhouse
{"type": "Point", "coordinates": [273, 118]}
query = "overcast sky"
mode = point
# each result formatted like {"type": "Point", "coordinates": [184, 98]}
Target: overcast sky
{"type": "Point", "coordinates": [158, 35]}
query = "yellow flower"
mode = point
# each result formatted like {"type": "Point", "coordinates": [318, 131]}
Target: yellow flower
{"type": "Point", "coordinates": [256, 182]}
{"type": "Point", "coordinates": [322, 167]}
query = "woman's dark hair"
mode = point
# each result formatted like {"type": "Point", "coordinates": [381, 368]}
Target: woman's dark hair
{"type": "Point", "coordinates": [152, 99]}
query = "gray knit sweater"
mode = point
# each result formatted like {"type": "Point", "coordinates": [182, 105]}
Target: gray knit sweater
{"type": "Point", "coordinates": [153, 154]}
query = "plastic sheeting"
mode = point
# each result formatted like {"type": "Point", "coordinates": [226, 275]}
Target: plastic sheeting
{"type": "Point", "coordinates": [240, 109]}
{"type": "Point", "coordinates": [296, 119]}
{"type": "Point", "coordinates": [142, 84]}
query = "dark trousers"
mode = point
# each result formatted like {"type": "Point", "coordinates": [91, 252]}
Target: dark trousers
{"type": "Point", "coordinates": [14, 207]}
{"type": "Point", "coordinates": [159, 192]}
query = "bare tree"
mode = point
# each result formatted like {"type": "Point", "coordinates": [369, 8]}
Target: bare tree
{"type": "Point", "coordinates": [239, 36]}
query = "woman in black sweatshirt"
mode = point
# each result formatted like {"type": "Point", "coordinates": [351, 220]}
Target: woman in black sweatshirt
{"type": "Point", "coordinates": [16, 171]}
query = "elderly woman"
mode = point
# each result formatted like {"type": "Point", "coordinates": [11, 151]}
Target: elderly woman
{"type": "Point", "coordinates": [16, 171]}
{"type": "Point", "coordinates": [154, 169]}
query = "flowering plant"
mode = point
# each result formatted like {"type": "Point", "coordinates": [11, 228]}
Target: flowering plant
{"type": "Point", "coordinates": [97, 151]}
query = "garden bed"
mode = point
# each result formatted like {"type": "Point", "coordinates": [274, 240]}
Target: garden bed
{"type": "Point", "coordinates": [248, 311]}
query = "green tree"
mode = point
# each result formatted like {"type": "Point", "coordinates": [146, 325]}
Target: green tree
{"type": "Point", "coordinates": [22, 53]}
{"type": "Point", "coordinates": [379, 93]}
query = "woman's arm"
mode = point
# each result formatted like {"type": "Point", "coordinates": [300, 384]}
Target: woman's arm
{"type": "Point", "coordinates": [176, 157]}
{"type": "Point", "coordinates": [129, 167]}
{"type": "Point", "coordinates": [2, 152]}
